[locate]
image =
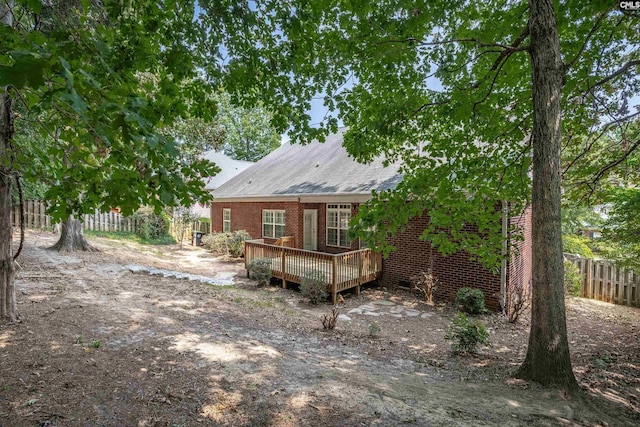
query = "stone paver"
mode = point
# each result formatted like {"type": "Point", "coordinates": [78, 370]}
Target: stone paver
{"type": "Point", "coordinates": [383, 302]}
{"type": "Point", "coordinates": [221, 279]}
{"type": "Point", "coordinates": [385, 307]}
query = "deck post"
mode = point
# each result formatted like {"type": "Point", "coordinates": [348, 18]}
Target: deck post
{"type": "Point", "coordinates": [246, 258]}
{"type": "Point", "coordinates": [334, 280]}
{"type": "Point", "coordinates": [284, 270]}
{"type": "Point", "coordinates": [360, 263]}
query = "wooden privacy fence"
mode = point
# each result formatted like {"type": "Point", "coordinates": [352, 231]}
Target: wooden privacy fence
{"type": "Point", "coordinates": [35, 217]}
{"type": "Point", "coordinates": [341, 271]}
{"type": "Point", "coordinates": [604, 281]}
{"type": "Point", "coordinates": [199, 226]}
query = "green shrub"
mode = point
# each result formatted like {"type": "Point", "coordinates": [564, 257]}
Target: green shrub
{"type": "Point", "coordinates": [236, 243]}
{"type": "Point", "coordinates": [215, 242]}
{"type": "Point", "coordinates": [150, 225]}
{"type": "Point", "coordinates": [204, 219]}
{"type": "Point", "coordinates": [572, 279]}
{"type": "Point", "coordinates": [374, 329]}
{"type": "Point", "coordinates": [229, 243]}
{"type": "Point", "coordinates": [313, 285]}
{"type": "Point", "coordinates": [576, 245]}
{"type": "Point", "coordinates": [466, 335]}
{"type": "Point", "coordinates": [260, 270]}
{"type": "Point", "coordinates": [471, 300]}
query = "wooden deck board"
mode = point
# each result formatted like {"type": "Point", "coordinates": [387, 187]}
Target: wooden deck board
{"type": "Point", "coordinates": [342, 271]}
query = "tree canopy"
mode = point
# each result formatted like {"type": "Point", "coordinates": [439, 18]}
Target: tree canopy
{"type": "Point", "coordinates": [74, 70]}
{"type": "Point", "coordinates": [247, 132]}
{"type": "Point", "coordinates": [470, 96]}
{"type": "Point", "coordinates": [475, 99]}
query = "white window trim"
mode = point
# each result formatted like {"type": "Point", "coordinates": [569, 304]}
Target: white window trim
{"type": "Point", "coordinates": [339, 207]}
{"type": "Point", "coordinates": [226, 221]}
{"type": "Point", "coordinates": [274, 223]}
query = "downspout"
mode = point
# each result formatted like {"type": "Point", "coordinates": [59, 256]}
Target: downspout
{"type": "Point", "coordinates": [505, 250]}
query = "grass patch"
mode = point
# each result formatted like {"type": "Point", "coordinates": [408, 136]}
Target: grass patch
{"type": "Point", "coordinates": [131, 237]}
{"type": "Point", "coordinates": [263, 303]}
{"type": "Point", "coordinates": [251, 302]}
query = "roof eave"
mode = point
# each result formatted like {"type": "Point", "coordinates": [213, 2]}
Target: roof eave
{"type": "Point", "coordinates": [301, 198]}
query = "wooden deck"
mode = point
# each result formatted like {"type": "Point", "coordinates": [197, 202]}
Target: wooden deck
{"type": "Point", "coordinates": [342, 271]}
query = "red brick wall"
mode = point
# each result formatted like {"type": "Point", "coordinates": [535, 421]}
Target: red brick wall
{"type": "Point", "coordinates": [248, 216]}
{"type": "Point", "coordinates": [411, 257]}
{"type": "Point", "coordinates": [519, 267]}
{"type": "Point", "coordinates": [453, 272]}
{"type": "Point", "coordinates": [322, 228]}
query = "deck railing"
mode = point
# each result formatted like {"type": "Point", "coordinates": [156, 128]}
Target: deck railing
{"type": "Point", "coordinates": [341, 271]}
{"type": "Point", "coordinates": [289, 241]}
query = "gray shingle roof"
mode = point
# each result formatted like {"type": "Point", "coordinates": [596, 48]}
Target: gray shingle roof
{"type": "Point", "coordinates": [313, 169]}
{"type": "Point", "coordinates": [228, 168]}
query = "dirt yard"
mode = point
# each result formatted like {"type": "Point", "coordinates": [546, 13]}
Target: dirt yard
{"type": "Point", "coordinates": [100, 345]}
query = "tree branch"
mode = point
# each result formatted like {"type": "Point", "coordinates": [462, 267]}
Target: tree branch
{"type": "Point", "coordinates": [515, 47]}
{"type": "Point", "coordinates": [586, 40]}
{"type": "Point", "coordinates": [598, 176]}
{"type": "Point", "coordinates": [600, 134]}
{"type": "Point", "coordinates": [493, 82]}
{"type": "Point", "coordinates": [621, 70]}
{"type": "Point", "coordinates": [450, 41]}
{"type": "Point", "coordinates": [21, 198]}
{"type": "Point", "coordinates": [8, 10]}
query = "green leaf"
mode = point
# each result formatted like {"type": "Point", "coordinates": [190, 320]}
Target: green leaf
{"type": "Point", "coordinates": [77, 103]}
{"type": "Point", "coordinates": [66, 73]}
{"type": "Point", "coordinates": [27, 69]}
{"type": "Point", "coordinates": [34, 5]}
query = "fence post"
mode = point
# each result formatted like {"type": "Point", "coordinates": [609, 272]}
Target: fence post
{"type": "Point", "coordinates": [47, 218]}
{"type": "Point", "coordinates": [634, 280]}
{"type": "Point", "coordinates": [29, 216]}
{"type": "Point", "coordinates": [36, 214]}
{"type": "Point", "coordinates": [617, 285]}
{"type": "Point", "coordinates": [587, 278]}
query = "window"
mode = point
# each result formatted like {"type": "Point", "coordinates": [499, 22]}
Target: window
{"type": "Point", "coordinates": [226, 220]}
{"type": "Point", "coordinates": [338, 217]}
{"type": "Point", "coordinates": [272, 224]}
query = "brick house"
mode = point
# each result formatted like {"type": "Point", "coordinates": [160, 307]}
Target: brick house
{"type": "Point", "coordinates": [310, 192]}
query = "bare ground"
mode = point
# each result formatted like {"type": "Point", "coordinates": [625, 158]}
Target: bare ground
{"type": "Point", "coordinates": [99, 345]}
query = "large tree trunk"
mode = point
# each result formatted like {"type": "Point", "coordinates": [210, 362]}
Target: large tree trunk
{"type": "Point", "coordinates": [547, 360]}
{"type": "Point", "coordinates": [8, 310]}
{"type": "Point", "coordinates": [71, 237]}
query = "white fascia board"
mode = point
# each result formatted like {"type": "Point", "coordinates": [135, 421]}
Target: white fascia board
{"type": "Point", "coordinates": [249, 199]}
{"type": "Point", "coordinates": [309, 198]}
{"type": "Point", "coordinates": [336, 198]}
